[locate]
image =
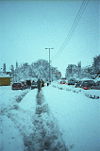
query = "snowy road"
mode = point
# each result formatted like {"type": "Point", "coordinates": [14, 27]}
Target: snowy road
{"type": "Point", "coordinates": [49, 120]}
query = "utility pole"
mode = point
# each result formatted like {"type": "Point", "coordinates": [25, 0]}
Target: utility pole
{"type": "Point", "coordinates": [49, 63]}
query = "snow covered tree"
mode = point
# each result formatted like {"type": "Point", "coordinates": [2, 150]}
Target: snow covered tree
{"type": "Point", "coordinates": [79, 69]}
{"type": "Point", "coordinates": [96, 64]}
{"type": "Point", "coordinates": [72, 71]}
{"type": "Point", "coordinates": [22, 72]}
{"type": "Point", "coordinates": [4, 68]}
{"type": "Point", "coordinates": [12, 72]}
{"type": "Point", "coordinates": [55, 74]}
{"type": "Point", "coordinates": [87, 72]}
{"type": "Point", "coordinates": [37, 70]}
{"type": "Point", "coordinates": [41, 70]}
{"type": "Point", "coordinates": [16, 65]}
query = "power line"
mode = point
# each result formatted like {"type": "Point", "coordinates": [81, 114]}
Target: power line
{"type": "Point", "coordinates": [74, 25]}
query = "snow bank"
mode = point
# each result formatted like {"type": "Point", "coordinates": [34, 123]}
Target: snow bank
{"type": "Point", "coordinates": [93, 94]}
{"type": "Point", "coordinates": [77, 117]}
{"type": "Point", "coordinates": [11, 138]}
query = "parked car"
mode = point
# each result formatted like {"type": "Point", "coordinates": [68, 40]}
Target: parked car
{"type": "Point", "coordinates": [96, 86]}
{"type": "Point", "coordinates": [63, 82]}
{"type": "Point", "coordinates": [24, 85]}
{"type": "Point", "coordinates": [34, 85]}
{"type": "Point", "coordinates": [87, 84]}
{"type": "Point", "coordinates": [78, 84]}
{"type": "Point", "coordinates": [17, 86]}
{"type": "Point", "coordinates": [71, 82]}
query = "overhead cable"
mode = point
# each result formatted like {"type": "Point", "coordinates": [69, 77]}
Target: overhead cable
{"type": "Point", "coordinates": [73, 27]}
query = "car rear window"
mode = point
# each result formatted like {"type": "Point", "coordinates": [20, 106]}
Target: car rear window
{"type": "Point", "coordinates": [17, 84]}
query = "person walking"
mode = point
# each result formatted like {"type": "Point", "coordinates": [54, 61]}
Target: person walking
{"type": "Point", "coordinates": [39, 84]}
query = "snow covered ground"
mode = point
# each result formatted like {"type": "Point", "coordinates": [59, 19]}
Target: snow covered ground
{"type": "Point", "coordinates": [57, 118]}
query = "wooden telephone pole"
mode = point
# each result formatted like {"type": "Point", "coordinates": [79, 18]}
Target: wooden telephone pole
{"type": "Point", "coordinates": [49, 63]}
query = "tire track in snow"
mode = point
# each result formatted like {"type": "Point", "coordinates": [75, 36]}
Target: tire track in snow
{"type": "Point", "coordinates": [7, 112]}
{"type": "Point", "coordinates": [46, 135]}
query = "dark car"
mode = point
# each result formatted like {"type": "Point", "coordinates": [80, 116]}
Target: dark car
{"type": "Point", "coordinates": [96, 86]}
{"type": "Point", "coordinates": [24, 85]}
{"type": "Point", "coordinates": [34, 85]}
{"type": "Point", "coordinates": [78, 84]}
{"type": "Point", "coordinates": [17, 86]}
{"type": "Point", "coordinates": [71, 82]}
{"type": "Point", "coordinates": [87, 84]}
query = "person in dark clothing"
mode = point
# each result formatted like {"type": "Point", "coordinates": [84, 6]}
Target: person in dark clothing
{"type": "Point", "coordinates": [28, 82]}
{"type": "Point", "coordinates": [42, 83]}
{"type": "Point", "coordinates": [47, 83]}
{"type": "Point", "coordinates": [39, 84]}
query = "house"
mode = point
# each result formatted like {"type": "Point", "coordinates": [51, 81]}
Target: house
{"type": "Point", "coordinates": [5, 80]}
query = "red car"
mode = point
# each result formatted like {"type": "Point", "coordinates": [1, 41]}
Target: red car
{"type": "Point", "coordinates": [17, 86]}
{"type": "Point", "coordinates": [87, 84]}
{"type": "Point", "coordinates": [86, 88]}
{"type": "Point", "coordinates": [63, 82]}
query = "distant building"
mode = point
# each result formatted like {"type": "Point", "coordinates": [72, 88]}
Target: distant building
{"type": "Point", "coordinates": [5, 79]}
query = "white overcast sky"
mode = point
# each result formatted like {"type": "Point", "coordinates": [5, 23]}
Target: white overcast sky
{"type": "Point", "coordinates": [28, 27]}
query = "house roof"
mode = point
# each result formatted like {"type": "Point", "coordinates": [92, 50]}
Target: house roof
{"type": "Point", "coordinates": [4, 75]}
